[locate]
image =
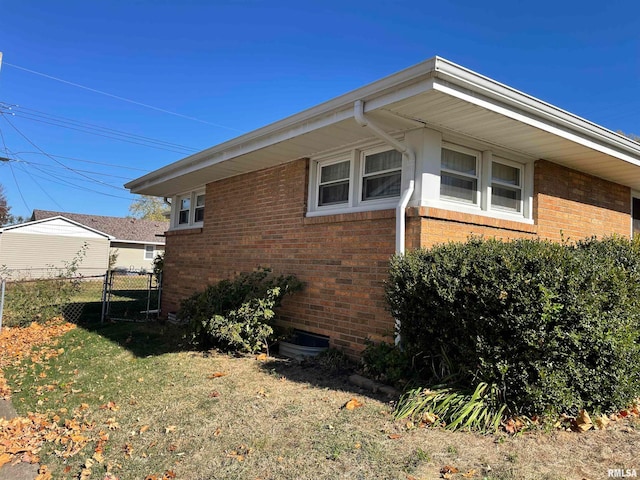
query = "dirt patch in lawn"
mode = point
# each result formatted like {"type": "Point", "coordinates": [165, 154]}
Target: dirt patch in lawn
{"type": "Point", "coordinates": [209, 415]}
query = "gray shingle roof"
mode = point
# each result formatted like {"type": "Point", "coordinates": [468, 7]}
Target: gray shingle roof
{"type": "Point", "coordinates": [125, 229]}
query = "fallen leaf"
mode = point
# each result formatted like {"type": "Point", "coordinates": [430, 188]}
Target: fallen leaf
{"type": "Point", "coordinates": [128, 450]}
{"type": "Point", "coordinates": [353, 404]}
{"type": "Point", "coordinates": [583, 421]}
{"type": "Point", "coordinates": [262, 357]}
{"type": "Point", "coordinates": [448, 469]}
{"type": "Point", "coordinates": [144, 428]}
{"type": "Point", "coordinates": [214, 394]}
{"type": "Point", "coordinates": [168, 475]}
{"type": "Point", "coordinates": [216, 375]}
{"type": "Point", "coordinates": [394, 436]}
{"type": "Point", "coordinates": [470, 473]}
{"type": "Point", "coordinates": [217, 432]}
{"type": "Point", "coordinates": [601, 422]}
{"type": "Point", "coordinates": [170, 428]}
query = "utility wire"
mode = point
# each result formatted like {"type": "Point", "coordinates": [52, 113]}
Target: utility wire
{"type": "Point", "coordinates": [40, 187]}
{"type": "Point", "coordinates": [120, 136]}
{"type": "Point", "coordinates": [44, 165]}
{"type": "Point", "coordinates": [117, 97]}
{"type": "Point", "coordinates": [74, 159]}
{"type": "Point", "coordinates": [52, 158]}
{"type": "Point", "coordinates": [18, 187]}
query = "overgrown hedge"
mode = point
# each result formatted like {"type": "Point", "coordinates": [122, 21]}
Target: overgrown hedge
{"type": "Point", "coordinates": [555, 326]}
{"type": "Point", "coordinates": [236, 314]}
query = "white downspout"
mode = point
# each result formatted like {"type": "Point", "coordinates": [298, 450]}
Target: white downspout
{"type": "Point", "coordinates": [409, 156]}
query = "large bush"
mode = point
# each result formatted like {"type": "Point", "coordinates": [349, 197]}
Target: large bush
{"type": "Point", "coordinates": [555, 326]}
{"type": "Point", "coordinates": [236, 314]}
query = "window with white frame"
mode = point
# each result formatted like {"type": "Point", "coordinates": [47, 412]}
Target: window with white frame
{"type": "Point", "coordinates": [333, 183]}
{"type": "Point", "coordinates": [482, 180]}
{"type": "Point", "coordinates": [198, 215]}
{"type": "Point", "coordinates": [506, 186]}
{"type": "Point", "coordinates": [357, 180]}
{"type": "Point", "coordinates": [184, 210]}
{"type": "Point", "coordinates": [149, 252]}
{"type": "Point", "coordinates": [188, 210]}
{"type": "Point", "coordinates": [459, 175]}
{"type": "Point", "coordinates": [382, 175]}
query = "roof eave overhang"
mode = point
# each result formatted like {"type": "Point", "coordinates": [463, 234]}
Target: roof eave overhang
{"type": "Point", "coordinates": [434, 75]}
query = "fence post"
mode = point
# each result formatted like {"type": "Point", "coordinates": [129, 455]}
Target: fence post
{"type": "Point", "coordinates": [2, 300]}
{"type": "Point", "coordinates": [159, 282]}
{"type": "Point", "coordinates": [104, 296]}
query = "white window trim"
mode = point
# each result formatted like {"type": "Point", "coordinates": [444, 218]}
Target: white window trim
{"type": "Point", "coordinates": [478, 176]}
{"type": "Point", "coordinates": [483, 207]}
{"type": "Point", "coordinates": [153, 252]}
{"type": "Point", "coordinates": [175, 210]}
{"type": "Point", "coordinates": [509, 163]}
{"type": "Point", "coordinates": [356, 172]}
{"type": "Point", "coordinates": [324, 163]}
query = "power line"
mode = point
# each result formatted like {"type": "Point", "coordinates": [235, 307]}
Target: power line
{"type": "Point", "coordinates": [74, 159]}
{"type": "Point", "coordinates": [52, 158]}
{"type": "Point", "coordinates": [117, 97]}
{"type": "Point", "coordinates": [44, 165]}
{"type": "Point", "coordinates": [82, 127]}
{"type": "Point", "coordinates": [41, 188]}
{"type": "Point", "coordinates": [18, 187]}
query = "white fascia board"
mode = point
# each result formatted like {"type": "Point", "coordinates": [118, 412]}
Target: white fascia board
{"type": "Point", "coordinates": [137, 242]}
{"type": "Point", "coordinates": [59, 217]}
{"type": "Point", "coordinates": [541, 123]}
{"type": "Point", "coordinates": [458, 75]}
{"type": "Point", "coordinates": [462, 83]}
{"type": "Point", "coordinates": [324, 114]}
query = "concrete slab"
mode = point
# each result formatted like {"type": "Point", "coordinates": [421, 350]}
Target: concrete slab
{"type": "Point", "coordinates": [20, 471]}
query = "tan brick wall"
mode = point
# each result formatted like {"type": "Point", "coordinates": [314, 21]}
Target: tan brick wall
{"type": "Point", "coordinates": [574, 205]}
{"type": "Point", "coordinates": [258, 219]}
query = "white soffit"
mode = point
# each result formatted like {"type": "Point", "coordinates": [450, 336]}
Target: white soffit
{"type": "Point", "coordinates": [436, 93]}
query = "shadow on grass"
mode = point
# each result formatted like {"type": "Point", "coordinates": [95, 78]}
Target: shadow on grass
{"type": "Point", "coordinates": [326, 372]}
{"type": "Point", "coordinates": [141, 339]}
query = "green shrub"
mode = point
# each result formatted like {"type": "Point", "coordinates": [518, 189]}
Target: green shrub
{"type": "Point", "coordinates": [387, 363]}
{"type": "Point", "coordinates": [237, 314]}
{"type": "Point", "coordinates": [556, 326]}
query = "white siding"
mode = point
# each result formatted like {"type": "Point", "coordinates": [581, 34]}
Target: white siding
{"type": "Point", "coordinates": [35, 255]}
{"type": "Point", "coordinates": [131, 256]}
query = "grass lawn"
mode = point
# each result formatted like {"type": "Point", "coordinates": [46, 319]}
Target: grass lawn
{"type": "Point", "coordinates": [151, 408]}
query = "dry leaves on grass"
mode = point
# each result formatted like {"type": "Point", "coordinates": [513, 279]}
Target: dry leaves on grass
{"type": "Point", "coordinates": [17, 343]}
{"type": "Point", "coordinates": [353, 404]}
{"type": "Point", "coordinates": [216, 375]}
{"type": "Point", "coordinates": [21, 438]}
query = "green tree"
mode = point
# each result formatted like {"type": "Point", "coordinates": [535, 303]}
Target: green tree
{"type": "Point", "coordinates": [149, 208]}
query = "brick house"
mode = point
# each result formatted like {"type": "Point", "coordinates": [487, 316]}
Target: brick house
{"type": "Point", "coordinates": [431, 154]}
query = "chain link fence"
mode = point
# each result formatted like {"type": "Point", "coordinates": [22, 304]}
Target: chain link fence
{"type": "Point", "coordinates": [86, 297]}
{"type": "Point", "coordinates": [132, 296]}
{"type": "Point", "coordinates": [75, 299]}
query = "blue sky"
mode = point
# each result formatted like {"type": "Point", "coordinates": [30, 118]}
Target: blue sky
{"type": "Point", "coordinates": [238, 65]}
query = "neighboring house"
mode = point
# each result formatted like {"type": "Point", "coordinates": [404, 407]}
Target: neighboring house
{"type": "Point", "coordinates": [136, 242]}
{"type": "Point", "coordinates": [53, 239]}
{"type": "Point", "coordinates": [43, 248]}
{"type": "Point", "coordinates": [431, 154]}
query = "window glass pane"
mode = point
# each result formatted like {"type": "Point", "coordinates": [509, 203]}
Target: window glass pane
{"type": "Point", "coordinates": [200, 201]}
{"type": "Point", "coordinates": [381, 186]}
{"type": "Point", "coordinates": [183, 217]}
{"type": "Point", "coordinates": [336, 171]}
{"type": "Point", "coordinates": [198, 215]}
{"type": "Point", "coordinates": [459, 188]}
{"type": "Point", "coordinates": [390, 160]}
{"type": "Point", "coordinates": [149, 250]}
{"type": "Point", "coordinates": [185, 203]}
{"type": "Point", "coordinates": [506, 198]}
{"type": "Point", "coordinates": [505, 174]}
{"type": "Point", "coordinates": [333, 193]}
{"type": "Point", "coordinates": [459, 162]}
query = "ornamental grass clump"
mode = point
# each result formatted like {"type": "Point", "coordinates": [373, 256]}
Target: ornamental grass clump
{"type": "Point", "coordinates": [556, 327]}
